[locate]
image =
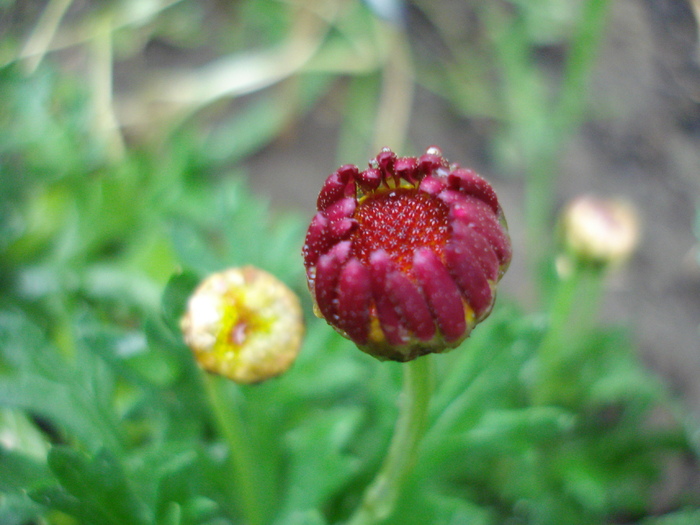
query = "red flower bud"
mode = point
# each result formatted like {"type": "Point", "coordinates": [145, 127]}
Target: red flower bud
{"type": "Point", "coordinates": [403, 258]}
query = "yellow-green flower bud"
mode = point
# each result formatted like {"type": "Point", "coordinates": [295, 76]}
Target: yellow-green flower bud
{"type": "Point", "coordinates": [244, 324]}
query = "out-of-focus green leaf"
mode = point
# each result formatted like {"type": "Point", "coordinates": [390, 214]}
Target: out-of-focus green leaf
{"type": "Point", "coordinates": [50, 125]}
{"type": "Point", "coordinates": [315, 474]}
{"type": "Point", "coordinates": [18, 509]}
{"type": "Point", "coordinates": [683, 517]}
{"type": "Point", "coordinates": [21, 435]}
{"type": "Point", "coordinates": [44, 383]}
{"type": "Point", "coordinates": [20, 472]}
{"type": "Point", "coordinates": [220, 230]}
{"type": "Point", "coordinates": [175, 296]}
{"type": "Point", "coordinates": [172, 515]}
{"type": "Point", "coordinates": [99, 485]}
{"type": "Point", "coordinates": [421, 505]}
{"type": "Point", "coordinates": [310, 517]}
{"type": "Point", "coordinates": [509, 430]}
{"type": "Point", "coordinates": [547, 21]}
{"type": "Point", "coordinates": [499, 350]}
{"type": "Point", "coordinates": [55, 498]}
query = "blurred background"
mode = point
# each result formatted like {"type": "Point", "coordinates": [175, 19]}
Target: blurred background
{"type": "Point", "coordinates": [534, 93]}
{"type": "Point", "coordinates": [157, 99]}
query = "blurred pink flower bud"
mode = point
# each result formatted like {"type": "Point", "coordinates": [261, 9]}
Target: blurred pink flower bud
{"type": "Point", "coordinates": [599, 232]}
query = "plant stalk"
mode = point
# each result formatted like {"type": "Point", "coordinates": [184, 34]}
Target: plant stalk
{"type": "Point", "coordinates": [382, 494]}
{"type": "Point", "coordinates": [242, 480]}
{"type": "Point", "coordinates": [39, 41]}
{"type": "Point", "coordinates": [572, 314]}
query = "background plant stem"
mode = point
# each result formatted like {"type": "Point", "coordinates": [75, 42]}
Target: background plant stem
{"type": "Point", "coordinates": [572, 315]}
{"type": "Point", "coordinates": [382, 494]}
{"type": "Point", "coordinates": [242, 479]}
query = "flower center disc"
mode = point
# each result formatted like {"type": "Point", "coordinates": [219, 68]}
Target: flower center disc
{"type": "Point", "coordinates": [400, 221]}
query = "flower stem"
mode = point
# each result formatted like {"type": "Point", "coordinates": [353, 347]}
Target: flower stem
{"type": "Point", "coordinates": [242, 477]}
{"type": "Point", "coordinates": [40, 40]}
{"type": "Point", "coordinates": [382, 494]}
{"type": "Point", "coordinates": [572, 315]}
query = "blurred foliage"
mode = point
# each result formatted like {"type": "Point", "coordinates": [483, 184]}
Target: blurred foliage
{"type": "Point", "coordinates": [114, 202]}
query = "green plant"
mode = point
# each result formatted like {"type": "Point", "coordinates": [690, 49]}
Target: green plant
{"type": "Point", "coordinates": [105, 230]}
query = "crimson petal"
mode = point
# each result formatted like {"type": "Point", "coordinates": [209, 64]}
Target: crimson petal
{"type": "Point", "coordinates": [337, 186]}
{"type": "Point", "coordinates": [442, 293]}
{"type": "Point", "coordinates": [431, 185]}
{"type": "Point", "coordinates": [370, 179]}
{"type": "Point", "coordinates": [389, 319]}
{"type": "Point", "coordinates": [339, 214]}
{"type": "Point", "coordinates": [479, 215]}
{"type": "Point", "coordinates": [327, 272]}
{"type": "Point", "coordinates": [470, 183]}
{"type": "Point", "coordinates": [385, 161]}
{"type": "Point", "coordinates": [405, 168]}
{"type": "Point", "coordinates": [316, 239]}
{"type": "Point", "coordinates": [411, 305]}
{"type": "Point", "coordinates": [476, 246]}
{"type": "Point", "coordinates": [470, 278]}
{"type": "Point", "coordinates": [429, 162]}
{"type": "Point", "coordinates": [354, 297]}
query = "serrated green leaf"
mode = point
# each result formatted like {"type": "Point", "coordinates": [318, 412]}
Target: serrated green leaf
{"type": "Point", "coordinates": [42, 382]}
{"type": "Point", "coordinates": [317, 472]}
{"type": "Point", "coordinates": [508, 430]}
{"type": "Point", "coordinates": [100, 483]}
{"type": "Point", "coordinates": [170, 468]}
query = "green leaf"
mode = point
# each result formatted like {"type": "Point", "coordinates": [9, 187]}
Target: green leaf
{"type": "Point", "coordinates": [309, 517]}
{"type": "Point", "coordinates": [55, 498]}
{"type": "Point", "coordinates": [421, 505]}
{"type": "Point", "coordinates": [510, 430]}
{"type": "Point", "coordinates": [317, 472]}
{"type": "Point", "coordinates": [174, 302]}
{"type": "Point", "coordinates": [18, 509]}
{"type": "Point", "coordinates": [169, 469]}
{"type": "Point", "coordinates": [20, 472]}
{"type": "Point", "coordinates": [99, 484]}
{"type": "Point", "coordinates": [77, 398]}
{"type": "Point", "coordinates": [683, 517]}
{"type": "Point", "coordinates": [223, 227]}
{"type": "Point", "coordinates": [172, 515]}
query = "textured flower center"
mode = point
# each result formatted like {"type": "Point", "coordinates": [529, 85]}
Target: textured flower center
{"type": "Point", "coordinates": [400, 221]}
{"type": "Point", "coordinates": [238, 324]}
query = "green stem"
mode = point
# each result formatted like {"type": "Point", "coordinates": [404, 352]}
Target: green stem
{"type": "Point", "coordinates": [43, 33]}
{"type": "Point", "coordinates": [382, 494]}
{"type": "Point", "coordinates": [396, 97]}
{"type": "Point", "coordinates": [106, 122]}
{"type": "Point", "coordinates": [242, 483]}
{"type": "Point", "coordinates": [572, 314]}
